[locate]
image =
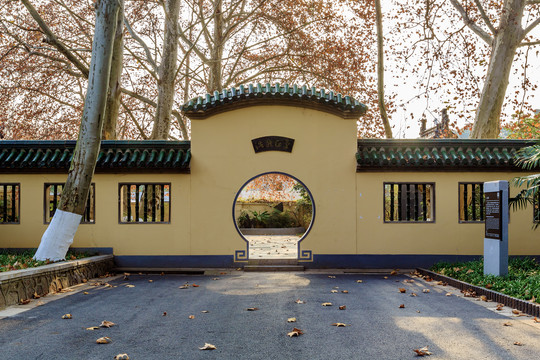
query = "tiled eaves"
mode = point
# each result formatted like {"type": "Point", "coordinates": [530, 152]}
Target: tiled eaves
{"type": "Point", "coordinates": [289, 95]}
{"type": "Point", "coordinates": [438, 154]}
{"type": "Point", "coordinates": [53, 156]}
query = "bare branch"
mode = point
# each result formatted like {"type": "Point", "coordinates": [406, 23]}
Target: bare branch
{"type": "Point", "coordinates": [53, 40]}
{"type": "Point", "coordinates": [134, 119]}
{"type": "Point", "coordinates": [471, 24]}
{"type": "Point", "coordinates": [485, 17]}
{"type": "Point", "coordinates": [530, 43]}
{"type": "Point", "coordinates": [531, 26]}
{"type": "Point", "coordinates": [136, 37]}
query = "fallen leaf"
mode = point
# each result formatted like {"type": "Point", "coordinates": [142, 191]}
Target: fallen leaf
{"type": "Point", "coordinates": [195, 285]}
{"type": "Point", "coordinates": [295, 332]}
{"type": "Point", "coordinates": [208, 346]}
{"type": "Point", "coordinates": [40, 303]}
{"type": "Point", "coordinates": [327, 304]}
{"type": "Point", "coordinates": [238, 269]}
{"type": "Point", "coordinates": [425, 291]}
{"type": "Point", "coordinates": [393, 272]}
{"type": "Point", "coordinates": [67, 316]}
{"type": "Point", "coordinates": [518, 343]}
{"type": "Point", "coordinates": [340, 324]}
{"type": "Point", "coordinates": [130, 286]}
{"type": "Point", "coordinates": [413, 294]}
{"type": "Point", "coordinates": [386, 277]}
{"type": "Point", "coordinates": [484, 298]}
{"type": "Point", "coordinates": [205, 311]}
{"type": "Point", "coordinates": [164, 313]}
{"type": "Point", "coordinates": [222, 273]}
{"type": "Point", "coordinates": [448, 294]}
{"type": "Point", "coordinates": [470, 271]}
{"type": "Point", "coordinates": [418, 311]}
{"type": "Point", "coordinates": [298, 301]}
{"type": "Point", "coordinates": [333, 291]}
{"type": "Point", "coordinates": [402, 306]}
{"type": "Point", "coordinates": [507, 324]}
{"type": "Point", "coordinates": [408, 281]}
{"type": "Point", "coordinates": [121, 357]}
{"type": "Point", "coordinates": [342, 307]}
{"type": "Point", "coordinates": [428, 279]}
{"type": "Point", "coordinates": [150, 281]}
{"type": "Point", "coordinates": [402, 290]}
{"type": "Point", "coordinates": [92, 328]}
{"type": "Point", "coordinates": [36, 295]}
{"type": "Point", "coordinates": [536, 320]}
{"type": "Point", "coordinates": [345, 291]}
{"type": "Point", "coordinates": [162, 273]}
{"type": "Point", "coordinates": [107, 324]}
{"type": "Point", "coordinates": [331, 276]}
{"type": "Point", "coordinates": [126, 276]}
{"type": "Point", "coordinates": [191, 317]}
{"type": "Point", "coordinates": [359, 281]}
{"type": "Point", "coordinates": [291, 320]}
{"type": "Point", "coordinates": [499, 307]}
{"type": "Point", "coordinates": [103, 340]}
{"type": "Point", "coordinates": [84, 280]}
{"type": "Point", "coordinates": [215, 278]}
{"type": "Point", "coordinates": [86, 293]}
{"type": "Point", "coordinates": [252, 309]}
{"type": "Point", "coordinates": [516, 312]}
{"type": "Point", "coordinates": [422, 352]}
{"type": "Point", "coordinates": [489, 286]}
{"type": "Point", "coordinates": [183, 287]}
{"type": "Point", "coordinates": [24, 302]}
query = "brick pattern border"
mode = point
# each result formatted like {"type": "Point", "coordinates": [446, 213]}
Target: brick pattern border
{"type": "Point", "coordinates": [524, 306]}
{"type": "Point", "coordinates": [19, 285]}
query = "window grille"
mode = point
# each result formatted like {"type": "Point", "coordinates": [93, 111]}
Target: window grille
{"type": "Point", "coordinates": [10, 204]}
{"type": "Point", "coordinates": [53, 193]}
{"type": "Point", "coordinates": [409, 202]}
{"type": "Point", "coordinates": [144, 203]}
{"type": "Point", "coordinates": [471, 202]}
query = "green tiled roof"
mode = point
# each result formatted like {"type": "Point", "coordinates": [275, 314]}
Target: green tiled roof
{"type": "Point", "coordinates": [257, 94]}
{"type": "Point", "coordinates": [115, 156]}
{"type": "Point", "coordinates": [438, 155]}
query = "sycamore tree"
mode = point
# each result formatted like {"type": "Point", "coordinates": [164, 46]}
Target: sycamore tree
{"type": "Point", "coordinates": [59, 234]}
{"type": "Point", "coordinates": [465, 51]}
{"type": "Point", "coordinates": [218, 44]}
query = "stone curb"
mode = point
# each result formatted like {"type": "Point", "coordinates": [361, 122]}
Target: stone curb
{"type": "Point", "coordinates": [19, 285]}
{"type": "Point", "coordinates": [524, 306]}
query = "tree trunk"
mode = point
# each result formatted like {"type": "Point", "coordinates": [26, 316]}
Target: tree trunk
{"type": "Point", "coordinates": [59, 235]}
{"type": "Point", "coordinates": [505, 43]}
{"type": "Point", "coordinates": [216, 52]}
{"type": "Point", "coordinates": [380, 70]}
{"type": "Point", "coordinates": [114, 94]}
{"type": "Point", "coordinates": [167, 72]}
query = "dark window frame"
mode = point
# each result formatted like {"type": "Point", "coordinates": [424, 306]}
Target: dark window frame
{"type": "Point", "coordinates": [482, 205]}
{"type": "Point", "coordinates": [536, 208]}
{"type": "Point", "coordinates": [4, 210]}
{"type": "Point", "coordinates": [153, 214]}
{"type": "Point", "coordinates": [408, 204]}
{"type": "Point", "coordinates": [91, 206]}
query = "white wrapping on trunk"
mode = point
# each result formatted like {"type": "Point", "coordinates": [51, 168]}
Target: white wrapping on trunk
{"type": "Point", "coordinates": [58, 236]}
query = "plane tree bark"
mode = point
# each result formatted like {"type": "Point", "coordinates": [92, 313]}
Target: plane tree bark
{"type": "Point", "coordinates": [59, 234]}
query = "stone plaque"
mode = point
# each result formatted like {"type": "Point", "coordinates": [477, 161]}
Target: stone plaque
{"type": "Point", "coordinates": [272, 143]}
{"type": "Point", "coordinates": [493, 215]}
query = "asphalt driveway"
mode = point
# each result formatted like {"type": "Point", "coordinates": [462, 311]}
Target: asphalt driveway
{"type": "Point", "coordinates": [451, 326]}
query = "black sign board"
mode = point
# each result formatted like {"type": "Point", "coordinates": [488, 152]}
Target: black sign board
{"type": "Point", "coordinates": [272, 143]}
{"type": "Point", "coordinates": [493, 215]}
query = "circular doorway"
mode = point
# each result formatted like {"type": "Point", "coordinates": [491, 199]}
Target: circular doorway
{"type": "Point", "coordinates": [273, 212]}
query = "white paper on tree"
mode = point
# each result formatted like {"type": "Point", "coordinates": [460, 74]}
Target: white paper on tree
{"type": "Point", "coordinates": [58, 236]}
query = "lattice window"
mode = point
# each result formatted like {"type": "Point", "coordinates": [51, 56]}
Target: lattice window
{"type": "Point", "coordinates": [10, 211]}
{"type": "Point", "coordinates": [53, 193]}
{"type": "Point", "coordinates": [409, 202]}
{"type": "Point", "coordinates": [144, 203]}
{"type": "Point", "coordinates": [471, 202]}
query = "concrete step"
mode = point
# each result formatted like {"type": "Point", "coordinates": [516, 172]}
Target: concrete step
{"type": "Point", "coordinates": [273, 268]}
{"type": "Point", "coordinates": [272, 262]}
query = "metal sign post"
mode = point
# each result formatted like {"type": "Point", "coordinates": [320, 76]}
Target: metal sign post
{"type": "Point", "coordinates": [496, 234]}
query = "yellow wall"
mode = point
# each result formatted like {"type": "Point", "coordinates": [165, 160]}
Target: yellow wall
{"type": "Point", "coordinates": [224, 159]}
{"type": "Point", "coordinates": [446, 235]}
{"type": "Point", "coordinates": [126, 239]}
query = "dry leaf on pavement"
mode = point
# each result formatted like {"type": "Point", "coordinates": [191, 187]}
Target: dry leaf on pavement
{"type": "Point", "coordinates": [359, 281]}
{"type": "Point", "coordinates": [191, 317]}
{"type": "Point", "coordinates": [130, 286]}
{"type": "Point", "coordinates": [195, 285]}
{"type": "Point", "coordinates": [103, 340]}
{"type": "Point", "coordinates": [208, 346]}
{"type": "Point", "coordinates": [107, 324]}
{"type": "Point", "coordinates": [516, 312]}
{"type": "Point", "coordinates": [333, 291]}
{"type": "Point", "coordinates": [448, 294]}
{"type": "Point", "coordinates": [499, 307]}
{"type": "Point", "coordinates": [298, 301]}
{"type": "Point", "coordinates": [507, 324]}
{"type": "Point", "coordinates": [164, 313]}
{"type": "Point", "coordinates": [67, 316]}
{"type": "Point", "coordinates": [422, 352]}
{"type": "Point", "coordinates": [413, 294]}
{"type": "Point", "coordinates": [536, 320]}
{"type": "Point", "coordinates": [183, 287]}
{"type": "Point", "coordinates": [393, 272]}
{"type": "Point", "coordinates": [331, 276]}
{"type": "Point", "coordinates": [340, 324]}
{"type": "Point", "coordinates": [24, 302]}
{"type": "Point", "coordinates": [93, 328]}
{"type": "Point", "coordinates": [484, 298]}
{"type": "Point", "coordinates": [291, 320]}
{"type": "Point", "coordinates": [342, 307]}
{"type": "Point", "coordinates": [425, 291]}
{"type": "Point", "coordinates": [345, 291]}
{"type": "Point", "coordinates": [205, 311]}
{"type": "Point", "coordinates": [518, 343]}
{"type": "Point", "coordinates": [121, 357]}
{"type": "Point", "coordinates": [402, 306]}
{"type": "Point", "coordinates": [252, 309]}
{"type": "Point", "coordinates": [402, 290]}
{"type": "Point", "coordinates": [327, 304]}
{"type": "Point", "coordinates": [295, 332]}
